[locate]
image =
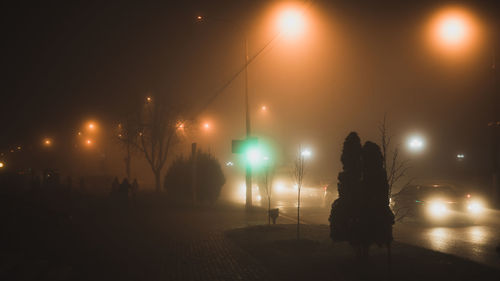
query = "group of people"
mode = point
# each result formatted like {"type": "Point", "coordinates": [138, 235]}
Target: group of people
{"type": "Point", "coordinates": [124, 189]}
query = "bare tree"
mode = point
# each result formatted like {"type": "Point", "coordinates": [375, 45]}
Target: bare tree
{"type": "Point", "coordinates": [267, 183]}
{"type": "Point", "coordinates": [298, 175]}
{"type": "Point", "coordinates": [396, 169]}
{"type": "Point", "coordinates": [127, 137]}
{"type": "Point", "coordinates": [159, 122]}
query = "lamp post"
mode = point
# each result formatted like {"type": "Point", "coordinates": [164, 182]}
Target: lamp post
{"type": "Point", "coordinates": [291, 24]}
{"type": "Point", "coordinates": [455, 30]}
{"type": "Point", "coordinates": [248, 168]}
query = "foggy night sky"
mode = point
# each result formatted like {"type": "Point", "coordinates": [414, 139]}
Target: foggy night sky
{"type": "Point", "coordinates": [63, 62]}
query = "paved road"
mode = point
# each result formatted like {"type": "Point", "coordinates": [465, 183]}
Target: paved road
{"type": "Point", "coordinates": [476, 242]}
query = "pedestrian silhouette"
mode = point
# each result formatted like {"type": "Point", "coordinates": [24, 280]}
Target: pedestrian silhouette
{"type": "Point", "coordinates": [135, 188]}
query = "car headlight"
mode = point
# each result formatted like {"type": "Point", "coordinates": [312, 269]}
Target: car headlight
{"type": "Point", "coordinates": [437, 209]}
{"type": "Point", "coordinates": [475, 207]}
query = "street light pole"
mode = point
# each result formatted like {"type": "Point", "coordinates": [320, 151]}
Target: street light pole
{"type": "Point", "coordinates": [248, 168]}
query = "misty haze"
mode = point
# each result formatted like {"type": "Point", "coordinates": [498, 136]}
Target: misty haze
{"type": "Point", "coordinates": [250, 140]}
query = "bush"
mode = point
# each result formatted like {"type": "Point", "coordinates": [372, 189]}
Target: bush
{"type": "Point", "coordinates": [209, 178]}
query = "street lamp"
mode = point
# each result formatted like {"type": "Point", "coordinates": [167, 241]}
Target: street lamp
{"type": "Point", "coordinates": [290, 23]}
{"type": "Point", "coordinates": [47, 142]}
{"type": "Point", "coordinates": [453, 29]}
{"type": "Point", "coordinates": [416, 143]}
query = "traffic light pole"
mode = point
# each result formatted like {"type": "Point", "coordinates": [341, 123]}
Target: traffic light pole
{"type": "Point", "coordinates": [248, 168]}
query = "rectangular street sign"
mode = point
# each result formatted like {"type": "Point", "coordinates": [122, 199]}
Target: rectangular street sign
{"type": "Point", "coordinates": [238, 146]}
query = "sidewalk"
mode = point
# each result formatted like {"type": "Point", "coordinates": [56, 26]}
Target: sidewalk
{"type": "Point", "coordinates": [147, 242]}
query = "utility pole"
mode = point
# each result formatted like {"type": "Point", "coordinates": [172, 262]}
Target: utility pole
{"type": "Point", "coordinates": [248, 168]}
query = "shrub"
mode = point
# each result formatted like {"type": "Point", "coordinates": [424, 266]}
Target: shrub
{"type": "Point", "coordinates": [209, 178]}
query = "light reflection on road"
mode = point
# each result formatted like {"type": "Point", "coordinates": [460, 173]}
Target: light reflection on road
{"type": "Point", "coordinates": [476, 242]}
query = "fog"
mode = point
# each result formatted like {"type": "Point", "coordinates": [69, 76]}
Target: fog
{"type": "Point", "coordinates": [347, 69]}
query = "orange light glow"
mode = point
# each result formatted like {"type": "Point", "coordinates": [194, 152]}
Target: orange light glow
{"type": "Point", "coordinates": [454, 29]}
{"type": "Point", "coordinates": [88, 142]}
{"type": "Point", "coordinates": [2, 165]}
{"type": "Point", "coordinates": [206, 126]}
{"type": "Point", "coordinates": [47, 142]}
{"type": "Point", "coordinates": [291, 22]}
{"type": "Point", "coordinates": [149, 99]}
{"type": "Point", "coordinates": [199, 17]}
{"type": "Point", "coordinates": [263, 108]}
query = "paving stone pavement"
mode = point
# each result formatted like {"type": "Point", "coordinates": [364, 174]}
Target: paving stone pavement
{"type": "Point", "coordinates": [172, 245]}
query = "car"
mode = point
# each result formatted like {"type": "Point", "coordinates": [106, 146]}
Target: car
{"type": "Point", "coordinates": [436, 203]}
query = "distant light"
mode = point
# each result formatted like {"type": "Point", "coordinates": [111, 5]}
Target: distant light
{"type": "Point", "coordinates": [91, 126]}
{"type": "Point", "coordinates": [206, 126]}
{"type": "Point", "coordinates": [149, 99]}
{"type": "Point", "coordinates": [180, 125]}
{"type": "Point", "coordinates": [199, 18]}
{"type": "Point", "coordinates": [460, 156]}
{"type": "Point", "coordinates": [468, 195]}
{"type": "Point", "coordinates": [416, 143]}
{"type": "Point", "coordinates": [305, 153]}
{"type": "Point", "coordinates": [88, 142]}
{"type": "Point", "coordinates": [291, 22]}
{"type": "Point", "coordinates": [229, 163]}
{"type": "Point", "coordinates": [79, 133]}
{"type": "Point", "coordinates": [253, 155]}
{"type": "Point", "coordinates": [47, 142]}
{"type": "Point", "coordinates": [452, 29]}
{"type": "Point", "coordinates": [475, 207]}
{"type": "Point", "coordinates": [280, 187]}
{"type": "Point", "coordinates": [263, 108]}
{"type": "Point", "coordinates": [437, 209]}
{"type": "Point", "coordinates": [2, 165]}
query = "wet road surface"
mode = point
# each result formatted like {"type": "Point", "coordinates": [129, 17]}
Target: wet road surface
{"type": "Point", "coordinates": [476, 241]}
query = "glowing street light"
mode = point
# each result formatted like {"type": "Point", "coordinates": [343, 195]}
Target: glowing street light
{"type": "Point", "coordinates": [47, 142]}
{"type": "Point", "coordinates": [453, 29]}
{"type": "Point", "coordinates": [416, 143]}
{"type": "Point", "coordinates": [263, 108]}
{"type": "Point", "coordinates": [305, 153]}
{"type": "Point", "coordinates": [206, 126]}
{"type": "Point", "coordinates": [2, 165]}
{"type": "Point", "coordinates": [291, 22]}
{"type": "Point", "coordinates": [88, 142]}
{"type": "Point", "coordinates": [149, 99]}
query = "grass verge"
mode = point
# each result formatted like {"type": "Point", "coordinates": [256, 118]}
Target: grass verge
{"type": "Point", "coordinates": [315, 257]}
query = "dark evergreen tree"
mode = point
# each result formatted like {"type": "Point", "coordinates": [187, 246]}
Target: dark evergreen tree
{"type": "Point", "coordinates": [361, 215]}
{"type": "Point", "coordinates": [344, 213]}
{"type": "Point", "coordinates": [377, 216]}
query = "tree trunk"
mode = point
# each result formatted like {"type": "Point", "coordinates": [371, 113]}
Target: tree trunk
{"type": "Point", "coordinates": [127, 167]}
{"type": "Point", "coordinates": [157, 181]}
{"type": "Point", "coordinates": [389, 261]}
{"type": "Point", "coordinates": [298, 214]}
